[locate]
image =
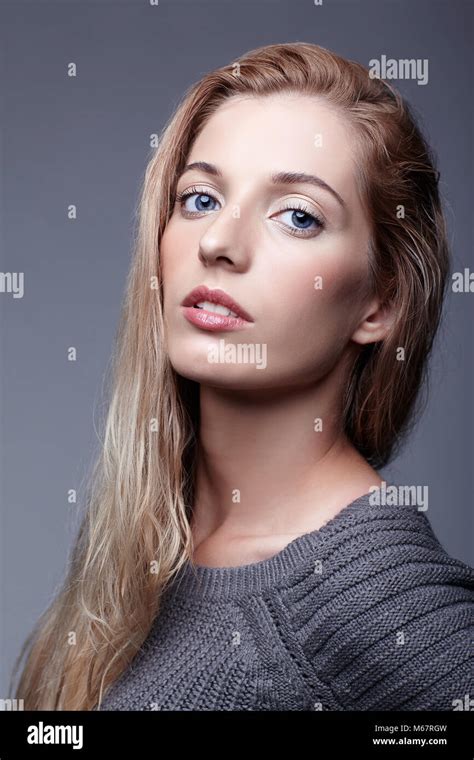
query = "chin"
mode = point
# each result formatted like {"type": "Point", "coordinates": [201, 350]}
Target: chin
{"type": "Point", "coordinates": [219, 361]}
{"type": "Point", "coordinates": [233, 377]}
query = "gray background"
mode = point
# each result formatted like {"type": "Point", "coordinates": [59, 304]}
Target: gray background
{"type": "Point", "coordinates": [86, 141]}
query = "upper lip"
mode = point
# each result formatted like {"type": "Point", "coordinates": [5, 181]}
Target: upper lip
{"type": "Point", "coordinates": [215, 295]}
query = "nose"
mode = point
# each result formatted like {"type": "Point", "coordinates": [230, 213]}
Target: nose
{"type": "Point", "coordinates": [226, 240]}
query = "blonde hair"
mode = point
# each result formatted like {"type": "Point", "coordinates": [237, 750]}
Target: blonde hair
{"type": "Point", "coordinates": [135, 533]}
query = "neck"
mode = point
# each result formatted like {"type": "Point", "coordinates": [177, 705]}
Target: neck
{"type": "Point", "coordinates": [264, 465]}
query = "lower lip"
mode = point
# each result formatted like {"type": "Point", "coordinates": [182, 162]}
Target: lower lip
{"type": "Point", "coordinates": [209, 320]}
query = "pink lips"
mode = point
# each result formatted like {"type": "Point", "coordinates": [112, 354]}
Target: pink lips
{"type": "Point", "coordinates": [209, 320]}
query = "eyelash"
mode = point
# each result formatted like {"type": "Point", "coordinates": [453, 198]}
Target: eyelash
{"type": "Point", "coordinates": [291, 206]}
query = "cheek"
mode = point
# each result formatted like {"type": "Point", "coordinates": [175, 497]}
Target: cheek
{"type": "Point", "coordinates": [173, 261]}
{"type": "Point", "coordinates": [319, 292]}
{"type": "Point", "coordinates": [344, 280]}
{"type": "Point", "coordinates": [314, 313]}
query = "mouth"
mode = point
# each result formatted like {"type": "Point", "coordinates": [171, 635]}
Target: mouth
{"type": "Point", "coordinates": [214, 309]}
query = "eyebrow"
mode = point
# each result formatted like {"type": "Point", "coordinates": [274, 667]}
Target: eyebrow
{"type": "Point", "coordinates": [278, 178]}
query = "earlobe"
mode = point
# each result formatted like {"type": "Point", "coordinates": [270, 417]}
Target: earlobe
{"type": "Point", "coordinates": [376, 324]}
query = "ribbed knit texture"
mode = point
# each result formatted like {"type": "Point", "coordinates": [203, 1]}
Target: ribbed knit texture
{"type": "Point", "coordinates": [367, 613]}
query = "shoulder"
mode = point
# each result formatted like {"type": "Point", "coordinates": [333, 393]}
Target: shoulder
{"type": "Point", "coordinates": [383, 613]}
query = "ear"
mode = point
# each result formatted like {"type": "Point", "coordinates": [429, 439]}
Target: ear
{"type": "Point", "coordinates": [376, 323]}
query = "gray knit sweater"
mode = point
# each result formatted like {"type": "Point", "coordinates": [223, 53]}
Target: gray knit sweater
{"type": "Point", "coordinates": [367, 613]}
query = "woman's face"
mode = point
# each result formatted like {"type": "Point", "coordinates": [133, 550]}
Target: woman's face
{"type": "Point", "coordinates": [291, 254]}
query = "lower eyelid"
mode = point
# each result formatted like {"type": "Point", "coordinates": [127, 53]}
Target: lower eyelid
{"type": "Point", "coordinates": [313, 232]}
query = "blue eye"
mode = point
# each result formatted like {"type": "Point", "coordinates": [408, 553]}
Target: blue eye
{"type": "Point", "coordinates": [202, 203]}
{"type": "Point", "coordinates": [306, 224]}
{"type": "Point", "coordinates": [202, 200]}
{"type": "Point", "coordinates": [302, 219]}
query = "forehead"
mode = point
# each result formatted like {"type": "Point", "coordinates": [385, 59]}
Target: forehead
{"type": "Point", "coordinates": [289, 132]}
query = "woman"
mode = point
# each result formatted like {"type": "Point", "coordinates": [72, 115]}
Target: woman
{"type": "Point", "coordinates": [287, 285]}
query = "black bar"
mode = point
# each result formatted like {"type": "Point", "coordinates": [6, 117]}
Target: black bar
{"type": "Point", "coordinates": [137, 734]}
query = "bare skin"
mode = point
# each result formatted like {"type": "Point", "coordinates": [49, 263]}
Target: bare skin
{"type": "Point", "coordinates": [265, 473]}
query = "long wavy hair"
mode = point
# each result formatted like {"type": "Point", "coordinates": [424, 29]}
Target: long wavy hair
{"type": "Point", "coordinates": [134, 534]}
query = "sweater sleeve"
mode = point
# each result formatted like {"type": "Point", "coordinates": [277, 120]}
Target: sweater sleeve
{"type": "Point", "coordinates": [385, 617]}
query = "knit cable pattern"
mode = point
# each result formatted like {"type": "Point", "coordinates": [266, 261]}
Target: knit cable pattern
{"type": "Point", "coordinates": [368, 612]}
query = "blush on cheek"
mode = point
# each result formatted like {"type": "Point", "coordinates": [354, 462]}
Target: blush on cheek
{"type": "Point", "coordinates": [345, 285]}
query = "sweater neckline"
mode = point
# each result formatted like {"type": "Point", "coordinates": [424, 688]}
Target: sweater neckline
{"type": "Point", "coordinates": [224, 581]}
